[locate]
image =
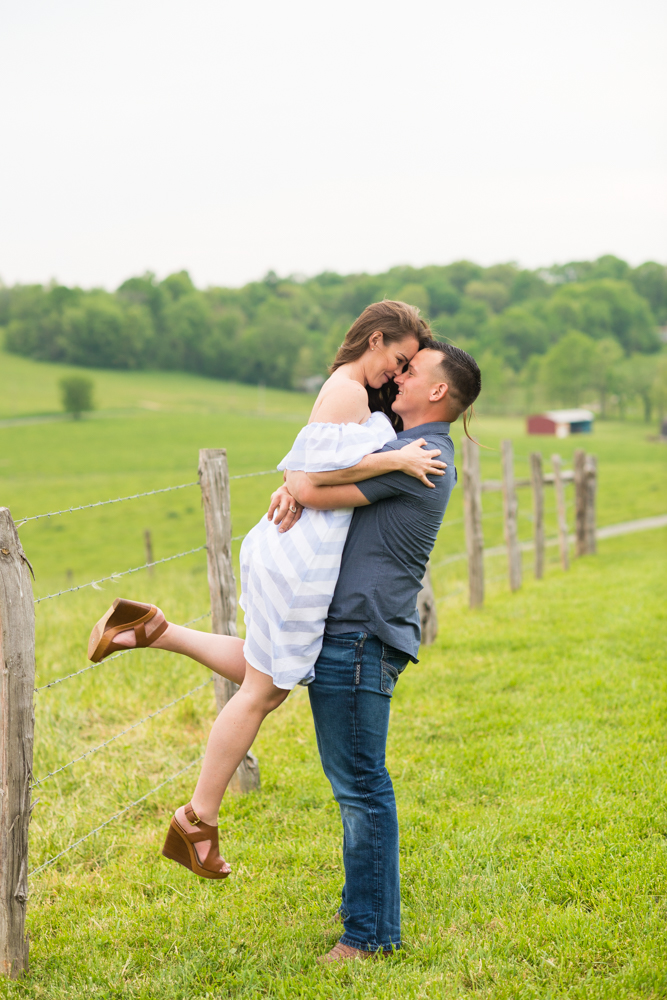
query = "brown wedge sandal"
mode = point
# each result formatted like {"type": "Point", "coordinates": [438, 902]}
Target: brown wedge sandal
{"type": "Point", "coordinates": [121, 617]}
{"type": "Point", "coordinates": [179, 846]}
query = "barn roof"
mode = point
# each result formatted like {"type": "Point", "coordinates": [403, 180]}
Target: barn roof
{"type": "Point", "coordinates": [569, 416]}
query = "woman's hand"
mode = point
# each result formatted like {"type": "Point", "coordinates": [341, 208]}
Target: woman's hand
{"type": "Point", "coordinates": [284, 509]}
{"type": "Point", "coordinates": [415, 460]}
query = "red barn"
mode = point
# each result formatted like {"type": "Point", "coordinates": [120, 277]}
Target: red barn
{"type": "Point", "coordinates": [561, 423]}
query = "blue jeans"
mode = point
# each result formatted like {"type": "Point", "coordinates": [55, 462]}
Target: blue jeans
{"type": "Point", "coordinates": [350, 698]}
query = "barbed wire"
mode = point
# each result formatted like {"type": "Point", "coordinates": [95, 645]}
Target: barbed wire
{"type": "Point", "coordinates": [100, 503]}
{"type": "Point", "coordinates": [115, 816]}
{"type": "Point", "coordinates": [129, 729]}
{"type": "Point", "coordinates": [116, 576]}
{"type": "Point", "coordinates": [134, 496]}
{"type": "Point", "coordinates": [250, 475]}
{"type": "Point", "coordinates": [108, 659]}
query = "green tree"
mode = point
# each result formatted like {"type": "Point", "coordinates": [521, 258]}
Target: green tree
{"type": "Point", "coordinates": [528, 285]}
{"type": "Point", "coordinates": [102, 332]}
{"type": "Point", "coordinates": [638, 375]}
{"type": "Point", "coordinates": [604, 308]}
{"type": "Point", "coordinates": [660, 387]}
{"type": "Point", "coordinates": [461, 272]}
{"type": "Point", "coordinates": [415, 295]}
{"type": "Point", "coordinates": [76, 392]}
{"type": "Point", "coordinates": [443, 297]}
{"type": "Point", "coordinates": [609, 267]}
{"type": "Point", "coordinates": [650, 281]}
{"type": "Point", "coordinates": [567, 368]}
{"type": "Point", "coordinates": [608, 353]}
{"type": "Point", "coordinates": [178, 284]}
{"type": "Point", "coordinates": [494, 293]}
{"type": "Point", "coordinates": [497, 380]}
{"type": "Point", "coordinates": [517, 334]}
{"type": "Point", "coordinates": [186, 327]}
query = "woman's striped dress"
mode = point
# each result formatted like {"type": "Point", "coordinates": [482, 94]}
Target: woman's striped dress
{"type": "Point", "coordinates": [288, 580]}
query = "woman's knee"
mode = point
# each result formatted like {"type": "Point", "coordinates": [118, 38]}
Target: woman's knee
{"type": "Point", "coordinates": [262, 697]}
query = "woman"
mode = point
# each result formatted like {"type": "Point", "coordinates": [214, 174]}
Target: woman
{"type": "Point", "coordinates": [287, 577]}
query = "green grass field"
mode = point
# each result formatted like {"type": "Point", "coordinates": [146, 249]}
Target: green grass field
{"type": "Point", "coordinates": [527, 747]}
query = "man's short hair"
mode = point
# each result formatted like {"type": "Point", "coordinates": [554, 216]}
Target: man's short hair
{"type": "Point", "coordinates": [461, 372]}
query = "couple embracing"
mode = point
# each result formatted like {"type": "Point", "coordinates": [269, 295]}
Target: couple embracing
{"type": "Point", "coordinates": [329, 586]}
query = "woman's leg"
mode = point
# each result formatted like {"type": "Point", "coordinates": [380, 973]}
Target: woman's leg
{"type": "Point", "coordinates": [231, 737]}
{"type": "Point", "coordinates": [221, 653]}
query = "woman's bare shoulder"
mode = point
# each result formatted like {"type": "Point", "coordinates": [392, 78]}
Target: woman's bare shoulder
{"type": "Point", "coordinates": [341, 400]}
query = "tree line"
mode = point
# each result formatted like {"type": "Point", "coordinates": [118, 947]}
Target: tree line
{"type": "Point", "coordinates": [564, 335]}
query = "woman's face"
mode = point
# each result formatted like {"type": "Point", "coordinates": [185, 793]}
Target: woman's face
{"type": "Point", "coordinates": [383, 360]}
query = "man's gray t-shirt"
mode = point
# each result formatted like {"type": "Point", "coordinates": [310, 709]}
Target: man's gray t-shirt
{"type": "Point", "coordinates": [387, 548]}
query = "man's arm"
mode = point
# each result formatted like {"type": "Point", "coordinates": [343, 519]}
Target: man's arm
{"type": "Point", "coordinates": [412, 458]}
{"type": "Point", "coordinates": [323, 497]}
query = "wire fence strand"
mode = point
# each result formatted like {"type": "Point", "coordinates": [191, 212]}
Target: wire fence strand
{"type": "Point", "coordinates": [251, 475]}
{"type": "Point", "coordinates": [134, 496]}
{"type": "Point", "coordinates": [115, 816]}
{"type": "Point", "coordinates": [100, 503]}
{"type": "Point", "coordinates": [108, 659]}
{"type": "Point", "coordinates": [129, 729]}
{"type": "Point", "coordinates": [116, 576]}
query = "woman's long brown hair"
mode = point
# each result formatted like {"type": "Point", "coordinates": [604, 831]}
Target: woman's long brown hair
{"type": "Point", "coordinates": [395, 321]}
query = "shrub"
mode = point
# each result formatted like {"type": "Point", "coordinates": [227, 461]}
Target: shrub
{"type": "Point", "coordinates": [77, 395]}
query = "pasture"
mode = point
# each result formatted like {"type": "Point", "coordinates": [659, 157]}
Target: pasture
{"type": "Point", "coordinates": [527, 747]}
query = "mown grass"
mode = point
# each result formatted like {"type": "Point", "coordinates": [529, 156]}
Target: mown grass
{"type": "Point", "coordinates": [527, 748]}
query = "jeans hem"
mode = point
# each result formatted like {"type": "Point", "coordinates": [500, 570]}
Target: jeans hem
{"type": "Point", "coordinates": [365, 946]}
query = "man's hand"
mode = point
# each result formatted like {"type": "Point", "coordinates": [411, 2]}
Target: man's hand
{"type": "Point", "coordinates": [284, 509]}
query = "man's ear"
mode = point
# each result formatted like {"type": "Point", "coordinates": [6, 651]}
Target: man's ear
{"type": "Point", "coordinates": [438, 392]}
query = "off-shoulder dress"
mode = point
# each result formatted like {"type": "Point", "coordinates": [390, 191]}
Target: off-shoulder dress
{"type": "Point", "coordinates": [288, 579]}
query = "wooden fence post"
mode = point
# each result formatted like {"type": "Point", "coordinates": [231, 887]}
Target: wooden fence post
{"type": "Point", "coordinates": [17, 723]}
{"type": "Point", "coordinates": [214, 482]}
{"type": "Point", "coordinates": [537, 477]}
{"type": "Point", "coordinates": [579, 463]}
{"type": "Point", "coordinates": [428, 612]}
{"type": "Point", "coordinates": [590, 479]}
{"type": "Point", "coordinates": [559, 489]}
{"type": "Point", "coordinates": [472, 516]}
{"type": "Point", "coordinates": [511, 507]}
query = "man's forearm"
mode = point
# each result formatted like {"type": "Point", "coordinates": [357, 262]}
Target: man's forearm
{"type": "Point", "coordinates": [376, 464]}
{"type": "Point", "coordinates": [323, 497]}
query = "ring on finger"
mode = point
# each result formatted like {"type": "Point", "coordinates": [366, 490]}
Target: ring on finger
{"type": "Point", "coordinates": [293, 509]}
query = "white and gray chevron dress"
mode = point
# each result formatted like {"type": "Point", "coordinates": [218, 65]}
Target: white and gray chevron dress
{"type": "Point", "coordinates": [288, 580]}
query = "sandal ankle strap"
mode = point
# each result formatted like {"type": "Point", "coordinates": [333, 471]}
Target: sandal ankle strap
{"type": "Point", "coordinates": [191, 815]}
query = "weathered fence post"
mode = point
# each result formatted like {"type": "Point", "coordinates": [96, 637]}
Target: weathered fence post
{"type": "Point", "coordinates": [590, 479]}
{"type": "Point", "coordinates": [428, 612]}
{"type": "Point", "coordinates": [472, 517]}
{"type": "Point", "coordinates": [578, 463]}
{"type": "Point", "coordinates": [559, 489]}
{"type": "Point", "coordinates": [511, 507]}
{"type": "Point", "coordinates": [537, 477]}
{"type": "Point", "coordinates": [214, 482]}
{"type": "Point", "coordinates": [17, 722]}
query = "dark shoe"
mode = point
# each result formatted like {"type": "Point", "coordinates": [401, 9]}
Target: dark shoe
{"type": "Point", "coordinates": [121, 617]}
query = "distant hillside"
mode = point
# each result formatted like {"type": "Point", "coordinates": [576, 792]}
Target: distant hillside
{"type": "Point", "coordinates": [569, 333]}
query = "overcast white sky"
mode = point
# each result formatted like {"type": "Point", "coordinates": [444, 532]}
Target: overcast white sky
{"type": "Point", "coordinates": [231, 138]}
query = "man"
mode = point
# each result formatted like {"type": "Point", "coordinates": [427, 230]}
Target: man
{"type": "Point", "coordinates": [373, 631]}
